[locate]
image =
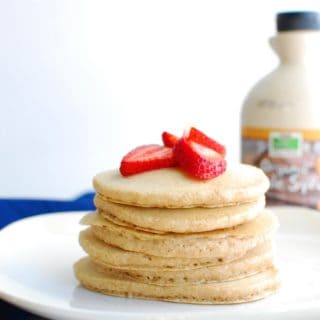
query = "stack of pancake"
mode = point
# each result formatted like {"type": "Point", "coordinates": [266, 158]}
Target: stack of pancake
{"type": "Point", "coordinates": [163, 235]}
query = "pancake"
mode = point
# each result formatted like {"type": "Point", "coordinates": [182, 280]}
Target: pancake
{"type": "Point", "coordinates": [247, 289]}
{"type": "Point", "coordinates": [256, 260]}
{"type": "Point", "coordinates": [214, 244]}
{"type": "Point", "coordinates": [114, 257]}
{"type": "Point", "coordinates": [172, 188]}
{"type": "Point", "coordinates": [179, 220]}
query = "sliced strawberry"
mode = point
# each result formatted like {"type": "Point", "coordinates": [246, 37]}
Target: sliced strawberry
{"type": "Point", "coordinates": [199, 137]}
{"type": "Point", "coordinates": [197, 160]}
{"type": "Point", "coordinates": [169, 139]}
{"type": "Point", "coordinates": [145, 158]}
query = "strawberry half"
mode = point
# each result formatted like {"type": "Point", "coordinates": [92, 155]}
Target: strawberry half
{"type": "Point", "coordinates": [199, 161]}
{"type": "Point", "coordinates": [145, 158]}
{"type": "Point", "coordinates": [169, 139]}
{"type": "Point", "coordinates": [200, 138]}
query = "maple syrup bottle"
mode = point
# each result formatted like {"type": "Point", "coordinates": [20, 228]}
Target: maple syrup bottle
{"type": "Point", "coordinates": [281, 114]}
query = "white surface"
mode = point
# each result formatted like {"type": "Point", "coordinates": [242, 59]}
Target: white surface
{"type": "Point", "coordinates": [83, 82]}
{"type": "Point", "coordinates": [37, 255]}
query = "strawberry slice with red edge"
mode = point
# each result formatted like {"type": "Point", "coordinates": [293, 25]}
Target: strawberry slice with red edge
{"type": "Point", "coordinates": [198, 160]}
{"type": "Point", "coordinates": [169, 139]}
{"type": "Point", "coordinates": [199, 137]}
{"type": "Point", "coordinates": [146, 158]}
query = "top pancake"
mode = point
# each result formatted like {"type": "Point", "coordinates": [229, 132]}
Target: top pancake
{"type": "Point", "coordinates": [172, 188]}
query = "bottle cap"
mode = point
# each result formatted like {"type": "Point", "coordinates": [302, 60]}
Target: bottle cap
{"type": "Point", "coordinates": [298, 20]}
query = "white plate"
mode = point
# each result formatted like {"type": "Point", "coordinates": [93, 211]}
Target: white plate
{"type": "Point", "coordinates": [37, 254]}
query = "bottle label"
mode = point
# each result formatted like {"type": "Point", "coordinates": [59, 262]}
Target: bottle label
{"type": "Point", "coordinates": [291, 160]}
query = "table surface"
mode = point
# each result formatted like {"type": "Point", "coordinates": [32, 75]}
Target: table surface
{"type": "Point", "coordinates": [9, 311]}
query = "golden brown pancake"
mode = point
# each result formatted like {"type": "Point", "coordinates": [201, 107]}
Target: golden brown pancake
{"type": "Point", "coordinates": [163, 235]}
{"type": "Point", "coordinates": [254, 261]}
{"type": "Point", "coordinates": [122, 259]}
{"type": "Point", "coordinates": [217, 243]}
{"type": "Point", "coordinates": [246, 289]}
{"type": "Point", "coordinates": [172, 188]}
{"type": "Point", "coordinates": [159, 220]}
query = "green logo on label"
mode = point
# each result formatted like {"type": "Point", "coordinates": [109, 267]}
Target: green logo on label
{"type": "Point", "coordinates": [286, 143]}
